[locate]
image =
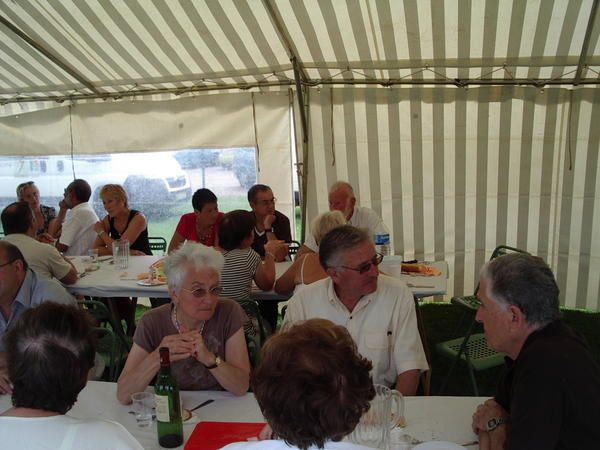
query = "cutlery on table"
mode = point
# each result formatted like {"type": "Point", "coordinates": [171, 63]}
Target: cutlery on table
{"type": "Point", "coordinates": [201, 405]}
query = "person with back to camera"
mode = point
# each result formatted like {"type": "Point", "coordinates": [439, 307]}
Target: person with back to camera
{"type": "Point", "coordinates": [312, 386]}
{"type": "Point", "coordinates": [242, 265]}
{"type": "Point", "coordinates": [51, 350]}
{"type": "Point", "coordinates": [200, 225]}
{"type": "Point", "coordinates": [306, 268]}
{"type": "Point", "coordinates": [204, 332]}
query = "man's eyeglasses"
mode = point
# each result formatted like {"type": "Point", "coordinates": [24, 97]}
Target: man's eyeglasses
{"type": "Point", "coordinates": [7, 263]}
{"type": "Point", "coordinates": [201, 292]}
{"type": "Point", "coordinates": [365, 267]}
{"type": "Point", "coordinates": [267, 202]}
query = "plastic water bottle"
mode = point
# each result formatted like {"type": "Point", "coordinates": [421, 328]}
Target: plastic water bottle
{"type": "Point", "coordinates": [381, 238]}
{"type": "Point", "coordinates": [399, 440]}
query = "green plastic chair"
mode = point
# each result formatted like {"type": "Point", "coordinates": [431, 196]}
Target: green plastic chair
{"type": "Point", "coordinates": [254, 330]}
{"type": "Point", "coordinates": [158, 244]}
{"type": "Point", "coordinates": [472, 348]}
{"type": "Point", "coordinates": [107, 346]}
{"type": "Point", "coordinates": [104, 319]}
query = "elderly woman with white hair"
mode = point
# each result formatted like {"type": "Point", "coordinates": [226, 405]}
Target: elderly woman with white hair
{"type": "Point", "coordinates": [203, 332]}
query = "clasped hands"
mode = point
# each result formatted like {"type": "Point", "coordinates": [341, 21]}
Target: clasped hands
{"type": "Point", "coordinates": [188, 344]}
{"type": "Point", "coordinates": [486, 411]}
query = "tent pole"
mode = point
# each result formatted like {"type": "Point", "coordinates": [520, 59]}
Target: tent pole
{"type": "Point", "coordinates": [586, 43]}
{"type": "Point", "coordinates": [48, 54]}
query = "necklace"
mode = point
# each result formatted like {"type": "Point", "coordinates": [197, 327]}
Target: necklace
{"type": "Point", "coordinates": [181, 329]}
{"type": "Point", "coordinates": [206, 236]}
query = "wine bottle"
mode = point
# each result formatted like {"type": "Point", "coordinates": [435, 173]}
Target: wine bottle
{"type": "Point", "coordinates": [168, 405]}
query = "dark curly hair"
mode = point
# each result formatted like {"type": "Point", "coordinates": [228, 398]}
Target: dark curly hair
{"type": "Point", "coordinates": [312, 385]}
{"type": "Point", "coordinates": [50, 351]}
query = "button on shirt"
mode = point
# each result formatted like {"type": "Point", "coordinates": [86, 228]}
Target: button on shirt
{"type": "Point", "coordinates": [383, 324]}
{"type": "Point", "coordinates": [32, 293]}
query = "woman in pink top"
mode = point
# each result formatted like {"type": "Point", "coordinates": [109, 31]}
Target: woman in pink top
{"type": "Point", "coordinates": [201, 225]}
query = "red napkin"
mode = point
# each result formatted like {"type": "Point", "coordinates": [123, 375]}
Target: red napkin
{"type": "Point", "coordinates": [214, 435]}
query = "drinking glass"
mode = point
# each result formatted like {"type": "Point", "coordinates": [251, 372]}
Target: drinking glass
{"type": "Point", "coordinates": [143, 403]}
{"type": "Point", "coordinates": [385, 412]}
{"type": "Point", "coordinates": [93, 254]}
{"type": "Point", "coordinates": [120, 250]}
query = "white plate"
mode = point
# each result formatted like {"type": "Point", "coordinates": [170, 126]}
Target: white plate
{"type": "Point", "coordinates": [438, 445]}
{"type": "Point", "coordinates": [151, 283]}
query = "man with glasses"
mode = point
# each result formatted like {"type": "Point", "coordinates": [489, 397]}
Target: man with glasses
{"type": "Point", "coordinates": [77, 218]}
{"type": "Point", "coordinates": [378, 311]}
{"type": "Point", "coordinates": [20, 289]}
{"type": "Point", "coordinates": [270, 223]}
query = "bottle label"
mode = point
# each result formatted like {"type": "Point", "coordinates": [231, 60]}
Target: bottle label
{"type": "Point", "coordinates": [162, 408]}
{"type": "Point", "coordinates": [382, 239]}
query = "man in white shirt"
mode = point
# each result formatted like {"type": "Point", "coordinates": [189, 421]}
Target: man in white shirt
{"type": "Point", "coordinates": [341, 198]}
{"type": "Point", "coordinates": [19, 225]}
{"type": "Point", "coordinates": [77, 218]}
{"type": "Point", "coordinates": [378, 311]}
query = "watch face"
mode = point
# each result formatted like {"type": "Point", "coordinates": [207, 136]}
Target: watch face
{"type": "Point", "coordinates": [491, 424]}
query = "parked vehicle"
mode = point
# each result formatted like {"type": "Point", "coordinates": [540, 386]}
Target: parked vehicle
{"type": "Point", "coordinates": [153, 181]}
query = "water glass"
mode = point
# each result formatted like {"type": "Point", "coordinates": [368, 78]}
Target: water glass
{"type": "Point", "coordinates": [120, 250]}
{"type": "Point", "coordinates": [143, 403]}
{"type": "Point", "coordinates": [93, 254]}
{"type": "Point", "coordinates": [385, 412]}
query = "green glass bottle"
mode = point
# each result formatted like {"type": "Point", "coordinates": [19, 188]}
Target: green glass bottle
{"type": "Point", "coordinates": [168, 405]}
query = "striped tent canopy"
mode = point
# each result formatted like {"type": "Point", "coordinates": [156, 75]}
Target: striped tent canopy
{"type": "Point", "coordinates": [465, 124]}
{"type": "Point", "coordinates": [61, 49]}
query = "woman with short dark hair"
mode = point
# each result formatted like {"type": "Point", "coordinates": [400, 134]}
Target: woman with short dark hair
{"type": "Point", "coordinates": [312, 386]}
{"type": "Point", "coordinates": [202, 224]}
{"type": "Point", "coordinates": [50, 352]}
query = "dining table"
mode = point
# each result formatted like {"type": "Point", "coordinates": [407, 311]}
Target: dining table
{"type": "Point", "coordinates": [106, 280]}
{"type": "Point", "coordinates": [427, 418]}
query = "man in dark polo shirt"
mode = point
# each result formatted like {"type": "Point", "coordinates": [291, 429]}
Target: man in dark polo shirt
{"type": "Point", "coordinates": [549, 397]}
{"type": "Point", "coordinates": [270, 223]}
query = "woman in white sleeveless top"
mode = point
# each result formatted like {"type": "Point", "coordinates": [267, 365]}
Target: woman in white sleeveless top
{"type": "Point", "coordinates": [307, 269]}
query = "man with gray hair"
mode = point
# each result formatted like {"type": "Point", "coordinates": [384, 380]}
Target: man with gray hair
{"type": "Point", "coordinates": [378, 311]}
{"type": "Point", "coordinates": [549, 397]}
{"type": "Point", "coordinates": [342, 198]}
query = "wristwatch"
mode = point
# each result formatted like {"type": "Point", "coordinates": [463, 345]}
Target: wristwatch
{"type": "Point", "coordinates": [216, 364]}
{"type": "Point", "coordinates": [494, 423]}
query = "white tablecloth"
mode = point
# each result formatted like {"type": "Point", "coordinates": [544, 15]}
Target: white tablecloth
{"type": "Point", "coordinates": [428, 418]}
{"type": "Point", "coordinates": [108, 281]}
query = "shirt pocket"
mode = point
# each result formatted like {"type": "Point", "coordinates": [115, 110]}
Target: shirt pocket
{"type": "Point", "coordinates": [377, 340]}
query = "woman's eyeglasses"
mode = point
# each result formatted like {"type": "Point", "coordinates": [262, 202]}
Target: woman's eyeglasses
{"type": "Point", "coordinates": [201, 292]}
{"type": "Point", "coordinates": [365, 267]}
